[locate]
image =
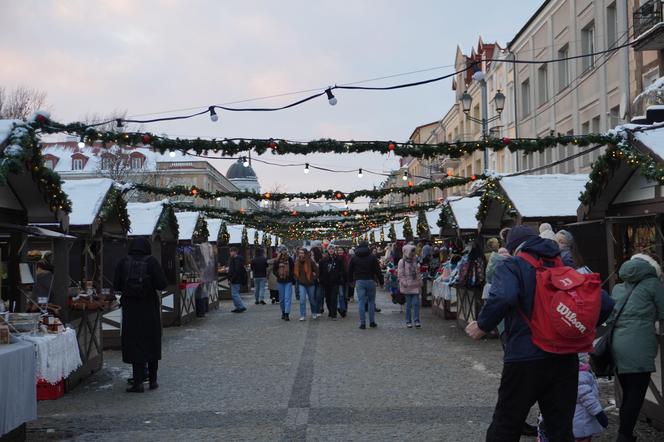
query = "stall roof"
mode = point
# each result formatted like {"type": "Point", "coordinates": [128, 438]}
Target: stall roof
{"type": "Point", "coordinates": [214, 226]}
{"type": "Point", "coordinates": [653, 139]}
{"type": "Point", "coordinates": [144, 217]}
{"type": "Point", "coordinates": [87, 197]}
{"type": "Point", "coordinates": [35, 231]}
{"type": "Point", "coordinates": [398, 227]}
{"type": "Point", "coordinates": [187, 224]}
{"type": "Point", "coordinates": [538, 196]}
{"type": "Point", "coordinates": [235, 233]}
{"type": "Point", "coordinates": [464, 211]}
{"type": "Point", "coordinates": [433, 215]}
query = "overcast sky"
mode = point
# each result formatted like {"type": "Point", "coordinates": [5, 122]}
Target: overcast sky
{"type": "Point", "coordinates": [97, 56]}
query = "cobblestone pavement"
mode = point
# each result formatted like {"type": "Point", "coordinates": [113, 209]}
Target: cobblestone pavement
{"type": "Point", "coordinates": [252, 376]}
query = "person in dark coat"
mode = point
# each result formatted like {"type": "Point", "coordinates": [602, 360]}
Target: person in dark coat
{"type": "Point", "coordinates": [529, 374]}
{"type": "Point", "coordinates": [237, 275]}
{"type": "Point", "coordinates": [141, 311]}
{"type": "Point", "coordinates": [332, 276]}
{"type": "Point", "coordinates": [259, 267]}
{"type": "Point", "coordinates": [364, 269]}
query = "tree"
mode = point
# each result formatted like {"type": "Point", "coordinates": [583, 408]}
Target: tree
{"type": "Point", "coordinates": [245, 237]}
{"type": "Point", "coordinates": [392, 234]}
{"type": "Point", "coordinates": [373, 237]}
{"type": "Point", "coordinates": [20, 102]}
{"type": "Point", "coordinates": [382, 234]}
{"type": "Point", "coordinates": [407, 229]}
{"type": "Point", "coordinates": [256, 240]}
{"type": "Point", "coordinates": [224, 237]}
{"type": "Point", "coordinates": [422, 225]}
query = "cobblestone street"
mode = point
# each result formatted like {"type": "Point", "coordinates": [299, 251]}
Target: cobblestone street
{"type": "Point", "coordinates": [252, 376]}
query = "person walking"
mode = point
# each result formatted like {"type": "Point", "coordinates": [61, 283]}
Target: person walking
{"type": "Point", "coordinates": [283, 270]}
{"type": "Point", "coordinates": [259, 267]}
{"type": "Point", "coordinates": [364, 270]}
{"type": "Point", "coordinates": [332, 276]}
{"type": "Point", "coordinates": [317, 256]}
{"type": "Point", "coordinates": [410, 284]}
{"type": "Point", "coordinates": [272, 283]}
{"type": "Point", "coordinates": [306, 275]}
{"type": "Point", "coordinates": [529, 373]}
{"type": "Point", "coordinates": [138, 277]}
{"type": "Point", "coordinates": [634, 341]}
{"type": "Point", "coordinates": [237, 275]}
{"type": "Point", "coordinates": [343, 288]}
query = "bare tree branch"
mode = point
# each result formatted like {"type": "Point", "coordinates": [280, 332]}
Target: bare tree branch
{"type": "Point", "coordinates": [20, 102]}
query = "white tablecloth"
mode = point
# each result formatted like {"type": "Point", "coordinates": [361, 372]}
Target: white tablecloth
{"type": "Point", "coordinates": [18, 392]}
{"type": "Point", "coordinates": [57, 355]}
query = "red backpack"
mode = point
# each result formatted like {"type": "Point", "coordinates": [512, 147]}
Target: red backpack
{"type": "Point", "coordinates": [566, 307]}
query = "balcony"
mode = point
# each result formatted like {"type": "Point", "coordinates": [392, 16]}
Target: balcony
{"type": "Point", "coordinates": [648, 27]}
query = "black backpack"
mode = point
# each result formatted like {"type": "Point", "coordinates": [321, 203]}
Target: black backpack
{"type": "Point", "coordinates": [137, 282]}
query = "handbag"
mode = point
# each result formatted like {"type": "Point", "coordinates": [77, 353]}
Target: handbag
{"type": "Point", "coordinates": [601, 359]}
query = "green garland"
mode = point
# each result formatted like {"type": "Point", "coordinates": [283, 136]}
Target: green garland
{"type": "Point", "coordinates": [232, 147]}
{"type": "Point", "coordinates": [382, 234]}
{"type": "Point", "coordinates": [327, 194]}
{"type": "Point", "coordinates": [201, 232]}
{"type": "Point", "coordinates": [392, 234]}
{"type": "Point", "coordinates": [446, 218]}
{"type": "Point", "coordinates": [245, 237]}
{"type": "Point", "coordinates": [491, 193]}
{"type": "Point", "coordinates": [115, 205]}
{"type": "Point", "coordinates": [407, 229]}
{"type": "Point", "coordinates": [168, 220]}
{"type": "Point", "coordinates": [422, 225]}
{"type": "Point", "coordinates": [224, 236]}
{"type": "Point", "coordinates": [22, 152]}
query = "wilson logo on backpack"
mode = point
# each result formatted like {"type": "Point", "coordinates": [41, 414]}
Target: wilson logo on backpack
{"type": "Point", "coordinates": [566, 307]}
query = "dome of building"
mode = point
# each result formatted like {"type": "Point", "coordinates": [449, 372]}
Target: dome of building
{"type": "Point", "coordinates": [239, 171]}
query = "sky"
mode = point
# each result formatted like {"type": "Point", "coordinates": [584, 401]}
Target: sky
{"type": "Point", "coordinates": [148, 56]}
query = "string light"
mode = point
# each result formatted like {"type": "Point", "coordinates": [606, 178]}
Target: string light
{"type": "Point", "coordinates": [306, 167]}
{"type": "Point", "coordinates": [171, 154]}
{"type": "Point", "coordinates": [307, 203]}
{"type": "Point", "coordinates": [213, 114]}
{"type": "Point", "coordinates": [330, 97]}
{"type": "Point", "coordinates": [245, 161]}
{"type": "Point", "coordinates": [405, 176]}
{"type": "Point", "coordinates": [81, 143]}
{"type": "Point", "coordinates": [359, 173]}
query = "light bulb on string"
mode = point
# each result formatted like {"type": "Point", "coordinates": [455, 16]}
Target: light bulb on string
{"type": "Point", "coordinates": [346, 204]}
{"type": "Point", "coordinates": [171, 154]}
{"type": "Point", "coordinates": [306, 167]}
{"type": "Point", "coordinates": [81, 143]}
{"type": "Point", "coordinates": [405, 176]}
{"type": "Point", "coordinates": [213, 114]}
{"type": "Point", "coordinates": [359, 173]}
{"type": "Point", "coordinates": [330, 97]}
{"type": "Point", "coordinates": [245, 161]}
{"type": "Point", "coordinates": [307, 203]}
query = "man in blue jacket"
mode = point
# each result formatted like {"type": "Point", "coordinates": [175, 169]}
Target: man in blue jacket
{"type": "Point", "coordinates": [529, 374]}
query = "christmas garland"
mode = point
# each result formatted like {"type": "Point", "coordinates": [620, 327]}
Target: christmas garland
{"type": "Point", "coordinates": [22, 151]}
{"type": "Point", "coordinates": [115, 204]}
{"type": "Point", "coordinates": [410, 189]}
{"type": "Point", "coordinates": [235, 146]}
{"type": "Point", "coordinates": [491, 193]}
{"type": "Point", "coordinates": [407, 229]}
{"type": "Point", "coordinates": [422, 225]}
{"type": "Point", "coordinates": [201, 232]}
{"type": "Point", "coordinates": [392, 234]}
{"type": "Point", "coordinates": [224, 236]}
{"type": "Point", "coordinates": [446, 218]}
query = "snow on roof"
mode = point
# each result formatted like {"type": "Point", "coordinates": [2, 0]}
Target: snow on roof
{"type": "Point", "coordinates": [545, 195]}
{"type": "Point", "coordinates": [87, 197]}
{"type": "Point", "coordinates": [464, 211]}
{"type": "Point", "coordinates": [214, 226]}
{"type": "Point", "coordinates": [653, 139]}
{"type": "Point", "coordinates": [250, 234]}
{"type": "Point", "coordinates": [235, 233]}
{"type": "Point", "coordinates": [433, 215]}
{"type": "Point", "coordinates": [6, 127]}
{"type": "Point", "coordinates": [187, 224]}
{"type": "Point", "coordinates": [144, 217]}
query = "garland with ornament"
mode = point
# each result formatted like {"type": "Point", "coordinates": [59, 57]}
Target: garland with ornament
{"type": "Point", "coordinates": [235, 146]}
{"type": "Point", "coordinates": [224, 236]}
{"type": "Point", "coordinates": [392, 233]}
{"type": "Point", "coordinates": [21, 151]}
{"type": "Point", "coordinates": [492, 193]}
{"type": "Point", "coordinates": [422, 227]}
{"type": "Point", "coordinates": [409, 189]}
{"type": "Point", "coordinates": [407, 229]}
{"type": "Point", "coordinates": [114, 205]}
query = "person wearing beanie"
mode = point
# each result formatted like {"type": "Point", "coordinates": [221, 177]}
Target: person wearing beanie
{"type": "Point", "coordinates": [634, 343]}
{"type": "Point", "coordinates": [529, 374]}
{"type": "Point", "coordinates": [546, 231]}
{"type": "Point", "coordinates": [364, 269]}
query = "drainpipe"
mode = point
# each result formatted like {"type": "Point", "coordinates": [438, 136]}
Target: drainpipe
{"type": "Point", "coordinates": [623, 29]}
{"type": "Point", "coordinates": [515, 79]}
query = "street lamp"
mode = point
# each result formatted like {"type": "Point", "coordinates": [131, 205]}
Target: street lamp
{"type": "Point", "coordinates": [499, 102]}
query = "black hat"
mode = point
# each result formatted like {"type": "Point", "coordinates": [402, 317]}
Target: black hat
{"type": "Point", "coordinates": [518, 235]}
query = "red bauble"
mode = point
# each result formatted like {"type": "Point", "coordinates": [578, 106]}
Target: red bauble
{"type": "Point", "coordinates": [41, 119]}
{"type": "Point", "coordinates": [146, 139]}
{"type": "Point", "coordinates": [473, 177]}
{"type": "Point", "coordinates": [391, 146]}
{"type": "Point", "coordinates": [339, 195]}
{"type": "Point", "coordinates": [273, 145]}
{"type": "Point", "coordinates": [506, 141]}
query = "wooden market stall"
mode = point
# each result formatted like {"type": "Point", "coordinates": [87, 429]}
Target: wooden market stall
{"type": "Point", "coordinates": [624, 215]}
{"type": "Point", "coordinates": [193, 254]}
{"type": "Point", "coordinates": [215, 233]}
{"type": "Point", "coordinates": [156, 222]}
{"type": "Point", "coordinates": [99, 220]}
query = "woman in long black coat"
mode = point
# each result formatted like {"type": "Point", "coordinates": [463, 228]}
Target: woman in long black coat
{"type": "Point", "coordinates": [139, 276]}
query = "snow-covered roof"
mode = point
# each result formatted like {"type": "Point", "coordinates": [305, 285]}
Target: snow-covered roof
{"type": "Point", "coordinates": [433, 215]}
{"type": "Point", "coordinates": [398, 227]}
{"type": "Point", "coordinates": [64, 154]}
{"type": "Point", "coordinates": [214, 226]}
{"type": "Point", "coordinates": [87, 197]}
{"type": "Point", "coordinates": [144, 217]}
{"type": "Point", "coordinates": [535, 196]}
{"type": "Point", "coordinates": [235, 233]}
{"type": "Point", "coordinates": [187, 224]}
{"type": "Point", "coordinates": [250, 234]}
{"type": "Point", "coordinates": [464, 211]}
{"type": "Point", "coordinates": [6, 127]}
{"type": "Point", "coordinates": [653, 139]}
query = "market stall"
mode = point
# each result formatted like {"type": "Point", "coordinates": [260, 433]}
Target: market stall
{"type": "Point", "coordinates": [215, 239]}
{"type": "Point", "coordinates": [99, 220]}
{"type": "Point", "coordinates": [234, 233]}
{"type": "Point", "coordinates": [193, 253]}
{"type": "Point", "coordinates": [623, 214]}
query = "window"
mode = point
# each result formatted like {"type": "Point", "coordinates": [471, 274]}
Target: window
{"type": "Point", "coordinates": [49, 164]}
{"type": "Point", "coordinates": [588, 46]}
{"type": "Point", "coordinates": [614, 117]}
{"type": "Point", "coordinates": [611, 26]}
{"type": "Point", "coordinates": [136, 162]}
{"type": "Point", "coordinates": [106, 163]}
{"type": "Point", "coordinates": [542, 85]}
{"type": "Point", "coordinates": [563, 68]}
{"type": "Point", "coordinates": [525, 98]}
{"type": "Point", "coordinates": [77, 164]}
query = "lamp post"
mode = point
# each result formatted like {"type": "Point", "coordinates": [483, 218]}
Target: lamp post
{"type": "Point", "coordinates": [499, 101]}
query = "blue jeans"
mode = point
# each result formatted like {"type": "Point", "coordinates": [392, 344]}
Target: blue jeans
{"type": "Point", "coordinates": [259, 288]}
{"type": "Point", "coordinates": [414, 302]}
{"type": "Point", "coordinates": [365, 289]}
{"type": "Point", "coordinates": [285, 296]}
{"type": "Point", "coordinates": [343, 301]}
{"type": "Point", "coordinates": [307, 291]}
{"type": "Point", "coordinates": [320, 298]}
{"type": "Point", "coordinates": [235, 294]}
